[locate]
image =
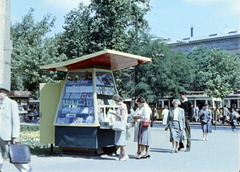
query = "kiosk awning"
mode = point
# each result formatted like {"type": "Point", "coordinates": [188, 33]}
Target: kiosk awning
{"type": "Point", "coordinates": [114, 59]}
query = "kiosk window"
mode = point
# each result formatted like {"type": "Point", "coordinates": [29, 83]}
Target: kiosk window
{"type": "Point", "coordinates": [105, 88]}
{"type": "Point", "coordinates": [76, 105]}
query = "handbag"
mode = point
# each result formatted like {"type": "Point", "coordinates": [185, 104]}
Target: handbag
{"type": "Point", "coordinates": [119, 126]}
{"type": "Point", "coordinates": [19, 154]}
{"type": "Point", "coordinates": [145, 123]}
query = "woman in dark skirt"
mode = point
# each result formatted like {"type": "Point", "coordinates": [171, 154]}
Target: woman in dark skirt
{"type": "Point", "coordinates": [176, 124]}
{"type": "Point", "coordinates": [144, 134]}
{"type": "Point", "coordinates": [205, 117]}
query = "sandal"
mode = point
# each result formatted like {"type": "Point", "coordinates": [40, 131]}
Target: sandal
{"type": "Point", "coordinates": [137, 154]}
{"type": "Point", "coordinates": [140, 156]}
{"type": "Point", "coordinates": [147, 156]}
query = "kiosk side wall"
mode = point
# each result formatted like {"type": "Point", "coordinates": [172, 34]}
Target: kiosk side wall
{"type": "Point", "coordinates": [49, 99]}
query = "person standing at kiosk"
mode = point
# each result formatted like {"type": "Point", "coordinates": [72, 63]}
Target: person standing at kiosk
{"type": "Point", "coordinates": [9, 126]}
{"type": "Point", "coordinates": [120, 136]}
{"type": "Point", "coordinates": [188, 109]}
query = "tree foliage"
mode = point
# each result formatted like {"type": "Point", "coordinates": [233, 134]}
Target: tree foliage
{"type": "Point", "coordinates": [165, 75]}
{"type": "Point", "coordinates": [103, 24]}
{"type": "Point", "coordinates": [31, 50]}
{"type": "Point", "coordinates": [199, 63]}
{"type": "Point", "coordinates": [223, 73]}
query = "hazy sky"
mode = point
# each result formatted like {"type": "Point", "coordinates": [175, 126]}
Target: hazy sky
{"type": "Point", "coordinates": [168, 18]}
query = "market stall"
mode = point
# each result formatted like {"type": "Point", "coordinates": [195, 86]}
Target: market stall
{"type": "Point", "coordinates": [75, 112]}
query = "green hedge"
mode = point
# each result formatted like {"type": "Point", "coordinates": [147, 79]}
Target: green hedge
{"type": "Point", "coordinates": [24, 128]}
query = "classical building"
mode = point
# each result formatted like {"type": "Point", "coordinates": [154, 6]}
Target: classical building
{"type": "Point", "coordinates": [229, 42]}
{"type": "Point", "coordinates": [5, 42]}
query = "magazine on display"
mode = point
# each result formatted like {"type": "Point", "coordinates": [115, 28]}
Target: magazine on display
{"type": "Point", "coordinates": [105, 81]}
{"type": "Point", "coordinates": [89, 119]}
{"type": "Point", "coordinates": [99, 80]}
{"type": "Point", "coordinates": [75, 110]}
{"type": "Point", "coordinates": [77, 95]}
{"type": "Point", "coordinates": [84, 110]}
{"type": "Point", "coordinates": [110, 80]}
{"type": "Point", "coordinates": [98, 89]}
{"type": "Point", "coordinates": [84, 95]}
{"type": "Point", "coordinates": [90, 95]}
{"type": "Point", "coordinates": [90, 110]}
{"type": "Point", "coordinates": [66, 96]}
{"type": "Point", "coordinates": [66, 110]}
{"type": "Point", "coordinates": [89, 102]}
{"type": "Point", "coordinates": [72, 96]}
{"type": "Point", "coordinates": [69, 118]}
{"type": "Point", "coordinates": [82, 102]}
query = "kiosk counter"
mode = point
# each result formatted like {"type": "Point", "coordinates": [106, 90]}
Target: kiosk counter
{"type": "Point", "coordinates": [74, 112]}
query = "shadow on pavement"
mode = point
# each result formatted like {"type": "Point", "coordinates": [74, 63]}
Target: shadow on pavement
{"type": "Point", "coordinates": [196, 139]}
{"type": "Point", "coordinates": [160, 150]}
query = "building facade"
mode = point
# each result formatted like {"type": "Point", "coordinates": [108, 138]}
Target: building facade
{"type": "Point", "coordinates": [5, 42]}
{"type": "Point", "coordinates": [229, 42]}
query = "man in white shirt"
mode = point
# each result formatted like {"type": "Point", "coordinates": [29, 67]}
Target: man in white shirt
{"type": "Point", "coordinates": [9, 126]}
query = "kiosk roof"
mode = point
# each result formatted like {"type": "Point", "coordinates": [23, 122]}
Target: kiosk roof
{"type": "Point", "coordinates": [114, 59]}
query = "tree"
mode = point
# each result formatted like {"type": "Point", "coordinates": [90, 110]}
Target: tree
{"type": "Point", "coordinates": [31, 50]}
{"type": "Point", "coordinates": [197, 57]}
{"type": "Point", "coordinates": [102, 24]}
{"type": "Point", "coordinates": [167, 73]}
{"type": "Point", "coordinates": [223, 73]}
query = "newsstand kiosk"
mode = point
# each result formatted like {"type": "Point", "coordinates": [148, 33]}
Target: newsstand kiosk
{"type": "Point", "coordinates": [74, 113]}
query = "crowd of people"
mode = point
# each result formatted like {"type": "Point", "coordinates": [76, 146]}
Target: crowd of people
{"type": "Point", "coordinates": [176, 120]}
{"type": "Point", "coordinates": [223, 114]}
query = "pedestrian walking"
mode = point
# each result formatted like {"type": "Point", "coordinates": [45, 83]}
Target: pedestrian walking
{"type": "Point", "coordinates": [120, 136]}
{"type": "Point", "coordinates": [205, 116]}
{"type": "Point", "coordinates": [233, 118]}
{"type": "Point", "coordinates": [196, 113]}
{"type": "Point", "coordinates": [176, 124]}
{"type": "Point", "coordinates": [144, 134]}
{"type": "Point", "coordinates": [9, 126]}
{"type": "Point", "coordinates": [35, 114]}
{"type": "Point", "coordinates": [187, 106]}
{"type": "Point", "coordinates": [218, 113]}
{"type": "Point", "coordinates": [225, 113]}
{"type": "Point", "coordinates": [165, 115]}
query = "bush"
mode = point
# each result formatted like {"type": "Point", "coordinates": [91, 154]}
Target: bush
{"type": "Point", "coordinates": [24, 128]}
{"type": "Point", "coordinates": [30, 135]}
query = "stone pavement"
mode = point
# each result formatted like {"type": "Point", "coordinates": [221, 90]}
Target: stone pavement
{"type": "Point", "coordinates": [221, 154]}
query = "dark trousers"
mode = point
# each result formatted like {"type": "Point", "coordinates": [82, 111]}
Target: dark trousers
{"type": "Point", "coordinates": [188, 133]}
{"type": "Point", "coordinates": [233, 125]}
{"type": "Point", "coordinates": [224, 119]}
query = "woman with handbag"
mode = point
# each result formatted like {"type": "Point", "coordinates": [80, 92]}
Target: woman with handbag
{"type": "Point", "coordinates": [176, 124]}
{"type": "Point", "coordinates": [144, 134]}
{"type": "Point", "coordinates": [205, 117]}
{"type": "Point", "coordinates": [120, 136]}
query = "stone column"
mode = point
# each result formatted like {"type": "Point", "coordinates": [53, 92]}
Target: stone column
{"type": "Point", "coordinates": [5, 42]}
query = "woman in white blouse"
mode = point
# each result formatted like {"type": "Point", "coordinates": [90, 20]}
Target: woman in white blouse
{"type": "Point", "coordinates": [144, 135]}
{"type": "Point", "coordinates": [176, 124]}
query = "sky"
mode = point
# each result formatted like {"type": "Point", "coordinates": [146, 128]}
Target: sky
{"type": "Point", "coordinates": [167, 19]}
